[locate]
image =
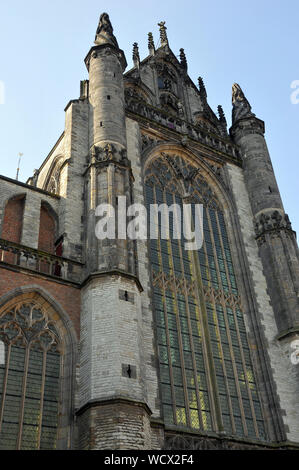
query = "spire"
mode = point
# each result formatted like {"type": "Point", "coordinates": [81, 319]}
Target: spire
{"type": "Point", "coordinates": [222, 120]}
{"type": "Point", "coordinates": [202, 89]}
{"type": "Point", "coordinates": [136, 57]}
{"type": "Point", "coordinates": [221, 114]}
{"type": "Point", "coordinates": [163, 34]}
{"type": "Point", "coordinates": [104, 34]}
{"type": "Point", "coordinates": [241, 106]}
{"type": "Point", "coordinates": [151, 45]}
{"type": "Point", "coordinates": [183, 59]}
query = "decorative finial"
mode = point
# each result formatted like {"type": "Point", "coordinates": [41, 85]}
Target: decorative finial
{"type": "Point", "coordinates": [221, 114]}
{"type": "Point", "coordinates": [151, 45]}
{"type": "Point", "coordinates": [163, 34]}
{"type": "Point", "coordinates": [183, 59]}
{"type": "Point", "coordinates": [104, 34]}
{"type": "Point", "coordinates": [202, 89]}
{"type": "Point", "coordinates": [136, 57]}
{"type": "Point", "coordinates": [241, 106]}
{"type": "Point", "coordinates": [222, 120]}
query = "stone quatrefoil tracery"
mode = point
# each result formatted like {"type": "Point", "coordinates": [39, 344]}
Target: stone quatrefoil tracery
{"type": "Point", "coordinates": [176, 175]}
{"type": "Point", "coordinates": [25, 324]}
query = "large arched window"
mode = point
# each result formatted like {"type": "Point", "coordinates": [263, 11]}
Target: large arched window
{"type": "Point", "coordinates": [206, 374]}
{"type": "Point", "coordinates": [29, 377]}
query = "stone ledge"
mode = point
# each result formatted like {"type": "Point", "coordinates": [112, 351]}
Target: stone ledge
{"type": "Point", "coordinates": [114, 272]}
{"type": "Point", "coordinates": [28, 186]}
{"type": "Point", "coordinates": [117, 400]}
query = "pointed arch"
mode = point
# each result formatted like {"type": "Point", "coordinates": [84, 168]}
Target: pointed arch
{"type": "Point", "coordinates": [38, 334]}
{"type": "Point", "coordinates": [207, 377]}
{"type": "Point", "coordinates": [52, 181]}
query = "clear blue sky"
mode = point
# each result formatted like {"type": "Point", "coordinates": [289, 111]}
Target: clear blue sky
{"type": "Point", "coordinates": [253, 43]}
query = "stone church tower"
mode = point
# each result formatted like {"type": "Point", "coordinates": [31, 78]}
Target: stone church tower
{"type": "Point", "coordinates": [142, 344]}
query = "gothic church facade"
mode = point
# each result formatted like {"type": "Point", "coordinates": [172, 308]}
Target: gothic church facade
{"type": "Point", "coordinates": [142, 344]}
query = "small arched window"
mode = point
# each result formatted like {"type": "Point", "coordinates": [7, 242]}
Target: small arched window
{"type": "Point", "coordinates": [29, 378]}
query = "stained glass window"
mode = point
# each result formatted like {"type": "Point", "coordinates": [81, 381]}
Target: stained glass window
{"type": "Point", "coordinates": [206, 373]}
{"type": "Point", "coordinates": [29, 379]}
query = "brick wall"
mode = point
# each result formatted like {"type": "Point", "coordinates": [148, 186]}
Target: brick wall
{"type": "Point", "coordinates": [115, 426]}
{"type": "Point", "coordinates": [65, 295]}
{"type": "Point", "coordinates": [47, 231]}
{"type": "Point", "coordinates": [13, 220]}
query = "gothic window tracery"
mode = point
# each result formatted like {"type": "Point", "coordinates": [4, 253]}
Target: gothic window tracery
{"type": "Point", "coordinates": [206, 374]}
{"type": "Point", "coordinates": [167, 80]}
{"type": "Point", "coordinates": [137, 93]}
{"type": "Point", "coordinates": [52, 184]}
{"type": "Point", "coordinates": [29, 378]}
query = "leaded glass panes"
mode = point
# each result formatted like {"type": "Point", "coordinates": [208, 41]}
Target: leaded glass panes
{"type": "Point", "coordinates": [200, 327]}
{"type": "Point", "coordinates": [29, 379]}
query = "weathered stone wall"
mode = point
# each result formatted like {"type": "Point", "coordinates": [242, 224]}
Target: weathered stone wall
{"type": "Point", "coordinates": [284, 373]}
{"type": "Point", "coordinates": [149, 348]}
{"type": "Point", "coordinates": [116, 425]}
{"type": "Point", "coordinates": [111, 337]}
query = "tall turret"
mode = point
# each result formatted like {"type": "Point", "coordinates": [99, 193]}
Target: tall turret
{"type": "Point", "coordinates": [109, 173]}
{"type": "Point", "coordinates": [274, 234]}
{"type": "Point", "coordinates": [113, 400]}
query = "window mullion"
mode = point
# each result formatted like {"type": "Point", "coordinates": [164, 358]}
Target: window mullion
{"type": "Point", "coordinates": [175, 295]}
{"type": "Point", "coordinates": [166, 317]}
{"type": "Point", "coordinates": [191, 342]}
{"type": "Point", "coordinates": [207, 348]}
{"type": "Point", "coordinates": [19, 440]}
{"type": "Point", "coordinates": [238, 333]}
{"type": "Point", "coordinates": [42, 398]}
{"type": "Point", "coordinates": [5, 385]}
{"type": "Point", "coordinates": [223, 302]}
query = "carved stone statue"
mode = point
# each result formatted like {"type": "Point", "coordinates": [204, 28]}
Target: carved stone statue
{"type": "Point", "coordinates": [241, 106]}
{"type": "Point", "coordinates": [104, 32]}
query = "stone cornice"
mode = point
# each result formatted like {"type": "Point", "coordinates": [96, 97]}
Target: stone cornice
{"type": "Point", "coordinates": [117, 400]}
{"type": "Point", "coordinates": [114, 272]}
{"type": "Point", "coordinates": [118, 52]}
{"type": "Point", "coordinates": [171, 135]}
{"type": "Point", "coordinates": [28, 186]}
{"type": "Point", "coordinates": [246, 126]}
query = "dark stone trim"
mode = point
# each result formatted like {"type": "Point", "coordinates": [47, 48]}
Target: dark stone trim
{"type": "Point", "coordinates": [215, 441]}
{"type": "Point", "coordinates": [118, 400]}
{"type": "Point", "coordinates": [28, 186]}
{"type": "Point", "coordinates": [286, 333]}
{"type": "Point", "coordinates": [157, 422]}
{"type": "Point", "coordinates": [114, 272]}
{"type": "Point", "coordinates": [39, 252]}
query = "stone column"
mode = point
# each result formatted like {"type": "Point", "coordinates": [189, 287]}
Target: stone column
{"type": "Point", "coordinates": [113, 403]}
{"type": "Point", "coordinates": [277, 242]}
